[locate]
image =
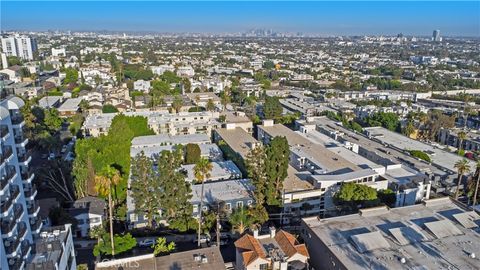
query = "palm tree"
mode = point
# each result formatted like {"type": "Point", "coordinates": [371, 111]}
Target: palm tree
{"type": "Point", "coordinates": [202, 172]}
{"type": "Point", "coordinates": [461, 137]}
{"type": "Point", "coordinates": [105, 182]}
{"type": "Point", "coordinates": [240, 220]}
{"type": "Point", "coordinates": [177, 103]}
{"type": "Point", "coordinates": [462, 168]}
{"type": "Point", "coordinates": [476, 184]}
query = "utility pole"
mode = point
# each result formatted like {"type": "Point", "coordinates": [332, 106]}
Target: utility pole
{"type": "Point", "coordinates": [218, 225]}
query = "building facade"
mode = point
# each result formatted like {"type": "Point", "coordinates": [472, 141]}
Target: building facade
{"type": "Point", "coordinates": [19, 46]}
{"type": "Point", "coordinates": [19, 211]}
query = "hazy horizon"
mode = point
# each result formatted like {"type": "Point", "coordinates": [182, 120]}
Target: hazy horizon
{"type": "Point", "coordinates": [319, 18]}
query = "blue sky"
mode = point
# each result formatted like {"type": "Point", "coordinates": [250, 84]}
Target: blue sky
{"type": "Point", "coordinates": [327, 18]}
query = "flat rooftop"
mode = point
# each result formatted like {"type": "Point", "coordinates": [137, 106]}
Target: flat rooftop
{"type": "Point", "coordinates": [222, 170]}
{"type": "Point", "coordinates": [438, 234]}
{"type": "Point", "coordinates": [317, 153]}
{"type": "Point", "coordinates": [165, 139]}
{"type": "Point", "coordinates": [205, 259]}
{"type": "Point", "coordinates": [438, 156]}
{"type": "Point", "coordinates": [210, 150]}
{"type": "Point", "coordinates": [238, 139]}
{"type": "Point", "coordinates": [223, 190]}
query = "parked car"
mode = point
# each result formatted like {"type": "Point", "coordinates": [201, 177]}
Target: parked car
{"type": "Point", "coordinates": [203, 239]}
{"type": "Point", "coordinates": [146, 243]}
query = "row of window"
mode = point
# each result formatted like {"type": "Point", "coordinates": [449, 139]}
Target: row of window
{"type": "Point", "coordinates": [88, 221]}
{"type": "Point", "coordinates": [228, 206]}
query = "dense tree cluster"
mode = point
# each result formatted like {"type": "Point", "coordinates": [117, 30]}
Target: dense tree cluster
{"type": "Point", "coordinates": [93, 154]}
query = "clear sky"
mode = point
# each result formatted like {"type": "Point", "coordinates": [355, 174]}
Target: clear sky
{"type": "Point", "coordinates": [326, 18]}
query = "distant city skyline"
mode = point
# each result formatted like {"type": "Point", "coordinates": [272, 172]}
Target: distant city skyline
{"type": "Point", "coordinates": [320, 18]}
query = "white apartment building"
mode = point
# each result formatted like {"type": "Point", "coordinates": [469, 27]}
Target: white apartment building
{"type": "Point", "coordinates": [160, 122]}
{"type": "Point", "coordinates": [19, 46]}
{"type": "Point", "coordinates": [185, 71]}
{"type": "Point", "coordinates": [316, 171]}
{"type": "Point", "coordinates": [141, 85]}
{"type": "Point", "coordinates": [60, 52]}
{"type": "Point", "coordinates": [159, 70]}
{"type": "Point", "coordinates": [18, 211]}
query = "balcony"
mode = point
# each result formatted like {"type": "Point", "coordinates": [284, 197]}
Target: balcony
{"type": "Point", "coordinates": [17, 211]}
{"type": "Point", "coordinates": [27, 176]}
{"type": "Point", "coordinates": [30, 192]}
{"type": "Point", "coordinates": [4, 131]}
{"type": "Point", "coordinates": [11, 246]}
{"type": "Point", "coordinates": [17, 120]}
{"type": "Point", "coordinates": [6, 206]}
{"type": "Point", "coordinates": [21, 229]}
{"type": "Point", "coordinates": [35, 225]}
{"type": "Point", "coordinates": [14, 192]}
{"type": "Point", "coordinates": [8, 227]}
{"type": "Point", "coordinates": [26, 247]}
{"type": "Point", "coordinates": [21, 141]}
{"type": "Point", "coordinates": [6, 153]}
{"type": "Point", "coordinates": [3, 186]}
{"type": "Point", "coordinates": [9, 173]}
{"type": "Point", "coordinates": [33, 209]}
{"type": "Point", "coordinates": [16, 263]}
{"type": "Point", "coordinates": [25, 158]}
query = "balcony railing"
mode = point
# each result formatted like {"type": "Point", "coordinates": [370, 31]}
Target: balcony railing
{"type": "Point", "coordinates": [5, 205]}
{"type": "Point", "coordinates": [20, 139]}
{"type": "Point", "coordinates": [30, 191]}
{"type": "Point", "coordinates": [17, 263]}
{"type": "Point", "coordinates": [24, 157]}
{"type": "Point", "coordinates": [27, 174]}
{"type": "Point", "coordinates": [25, 246]}
{"type": "Point", "coordinates": [11, 245]}
{"type": "Point", "coordinates": [14, 191]}
{"type": "Point", "coordinates": [22, 229]}
{"type": "Point", "coordinates": [17, 211]}
{"type": "Point", "coordinates": [3, 131]}
{"type": "Point", "coordinates": [6, 153]}
{"type": "Point", "coordinates": [16, 120]}
{"type": "Point", "coordinates": [9, 173]}
{"type": "Point", "coordinates": [35, 224]}
{"type": "Point", "coordinates": [3, 183]}
{"type": "Point", "coordinates": [8, 226]}
{"type": "Point", "coordinates": [32, 208]}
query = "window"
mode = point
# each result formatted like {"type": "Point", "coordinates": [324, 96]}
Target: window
{"type": "Point", "coordinates": [228, 206]}
{"type": "Point", "coordinates": [263, 266]}
{"type": "Point", "coordinates": [95, 220]}
{"type": "Point", "coordinates": [205, 208]}
{"type": "Point", "coordinates": [195, 208]}
{"type": "Point", "coordinates": [249, 202]}
{"type": "Point", "coordinates": [239, 204]}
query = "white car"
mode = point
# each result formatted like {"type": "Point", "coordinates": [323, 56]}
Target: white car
{"type": "Point", "coordinates": [146, 243]}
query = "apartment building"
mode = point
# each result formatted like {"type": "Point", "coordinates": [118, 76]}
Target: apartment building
{"type": "Point", "coordinates": [408, 177]}
{"type": "Point", "coordinates": [159, 122]}
{"type": "Point", "coordinates": [54, 249]}
{"type": "Point", "coordinates": [18, 211]}
{"type": "Point", "coordinates": [225, 183]}
{"type": "Point", "coordinates": [448, 136]}
{"type": "Point", "coordinates": [19, 46]}
{"type": "Point", "coordinates": [316, 171]}
{"type": "Point", "coordinates": [437, 234]}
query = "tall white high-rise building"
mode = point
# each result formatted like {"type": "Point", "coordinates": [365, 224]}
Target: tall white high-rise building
{"type": "Point", "coordinates": [18, 211]}
{"type": "Point", "coordinates": [19, 46]}
{"type": "Point", "coordinates": [24, 244]}
{"type": "Point", "coordinates": [436, 35]}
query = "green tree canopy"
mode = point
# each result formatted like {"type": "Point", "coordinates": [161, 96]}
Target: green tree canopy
{"type": "Point", "coordinates": [192, 153]}
{"type": "Point", "coordinates": [276, 165]}
{"type": "Point", "coordinates": [122, 243]}
{"type": "Point", "coordinates": [109, 108]}
{"type": "Point", "coordinates": [272, 108]}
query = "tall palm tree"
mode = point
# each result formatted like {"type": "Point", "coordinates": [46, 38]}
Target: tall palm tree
{"type": "Point", "coordinates": [476, 184]}
{"type": "Point", "coordinates": [462, 168]}
{"type": "Point", "coordinates": [461, 137]}
{"type": "Point", "coordinates": [105, 182]}
{"type": "Point", "coordinates": [202, 170]}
